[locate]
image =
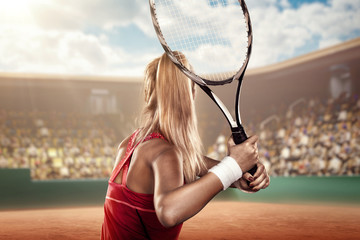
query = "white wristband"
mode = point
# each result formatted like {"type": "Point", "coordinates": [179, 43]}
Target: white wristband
{"type": "Point", "coordinates": [228, 171]}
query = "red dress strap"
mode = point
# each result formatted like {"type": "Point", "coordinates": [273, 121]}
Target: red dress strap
{"type": "Point", "coordinates": [124, 163]}
{"type": "Point", "coordinates": [129, 151]}
{"type": "Point", "coordinates": [154, 135]}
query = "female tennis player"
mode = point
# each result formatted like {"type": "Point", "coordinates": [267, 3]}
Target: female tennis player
{"type": "Point", "coordinates": [161, 178]}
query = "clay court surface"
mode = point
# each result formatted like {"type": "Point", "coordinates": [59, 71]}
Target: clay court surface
{"type": "Point", "coordinates": [218, 220]}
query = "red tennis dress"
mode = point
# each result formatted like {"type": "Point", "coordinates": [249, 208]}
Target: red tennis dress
{"type": "Point", "coordinates": [130, 215]}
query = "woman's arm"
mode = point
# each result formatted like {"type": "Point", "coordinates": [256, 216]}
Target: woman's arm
{"type": "Point", "coordinates": [209, 163]}
{"type": "Point", "coordinates": [175, 202]}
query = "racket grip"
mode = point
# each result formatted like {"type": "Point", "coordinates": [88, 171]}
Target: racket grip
{"type": "Point", "coordinates": [240, 136]}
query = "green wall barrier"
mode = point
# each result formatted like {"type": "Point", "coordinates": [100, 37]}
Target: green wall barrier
{"type": "Point", "coordinates": [18, 191]}
{"type": "Point", "coordinates": [304, 189]}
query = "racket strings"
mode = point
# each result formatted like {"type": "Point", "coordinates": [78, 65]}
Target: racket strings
{"type": "Point", "coordinates": [213, 42]}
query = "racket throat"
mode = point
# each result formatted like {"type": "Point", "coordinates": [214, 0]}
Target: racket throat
{"type": "Point", "coordinates": [239, 134]}
{"type": "Point", "coordinates": [220, 104]}
{"type": "Point", "coordinates": [237, 101]}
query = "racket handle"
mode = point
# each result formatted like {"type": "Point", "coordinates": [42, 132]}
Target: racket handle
{"type": "Point", "coordinates": [240, 136]}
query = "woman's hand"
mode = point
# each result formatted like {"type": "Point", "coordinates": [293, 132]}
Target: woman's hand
{"type": "Point", "coordinates": [260, 180]}
{"type": "Point", "coordinates": [245, 154]}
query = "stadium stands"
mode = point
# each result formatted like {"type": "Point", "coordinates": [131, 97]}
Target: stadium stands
{"type": "Point", "coordinates": [57, 145]}
{"type": "Point", "coordinates": [307, 137]}
{"type": "Point", "coordinates": [311, 137]}
{"type": "Point", "coordinates": [68, 127]}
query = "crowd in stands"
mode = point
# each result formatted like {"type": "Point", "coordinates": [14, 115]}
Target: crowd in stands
{"type": "Point", "coordinates": [57, 145]}
{"type": "Point", "coordinates": [312, 137]}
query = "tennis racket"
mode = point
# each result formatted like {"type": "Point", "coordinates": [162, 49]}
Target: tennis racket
{"type": "Point", "coordinates": [215, 36]}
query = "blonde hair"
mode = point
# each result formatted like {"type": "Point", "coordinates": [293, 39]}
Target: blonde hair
{"type": "Point", "coordinates": [170, 110]}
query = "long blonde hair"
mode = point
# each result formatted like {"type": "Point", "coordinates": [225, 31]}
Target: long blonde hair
{"type": "Point", "coordinates": [170, 110]}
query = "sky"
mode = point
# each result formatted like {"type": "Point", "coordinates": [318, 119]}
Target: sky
{"type": "Point", "coordinates": [117, 38]}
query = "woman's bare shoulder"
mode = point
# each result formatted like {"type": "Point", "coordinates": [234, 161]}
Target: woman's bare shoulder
{"type": "Point", "coordinates": [124, 143]}
{"type": "Point", "coordinates": [157, 148]}
{"type": "Point", "coordinates": [121, 150]}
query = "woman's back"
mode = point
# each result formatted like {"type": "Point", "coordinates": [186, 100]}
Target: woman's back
{"type": "Point", "coordinates": [129, 206]}
{"type": "Point", "coordinates": [140, 176]}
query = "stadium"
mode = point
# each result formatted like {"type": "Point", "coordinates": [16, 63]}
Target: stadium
{"type": "Point", "coordinates": [59, 134]}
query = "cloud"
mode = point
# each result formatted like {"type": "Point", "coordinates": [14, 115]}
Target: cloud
{"type": "Point", "coordinates": [70, 52]}
{"type": "Point", "coordinates": [54, 14]}
{"type": "Point", "coordinates": [52, 51]}
{"type": "Point", "coordinates": [105, 15]}
{"type": "Point", "coordinates": [282, 32]}
{"type": "Point", "coordinates": [77, 37]}
{"type": "Point", "coordinates": [52, 37]}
